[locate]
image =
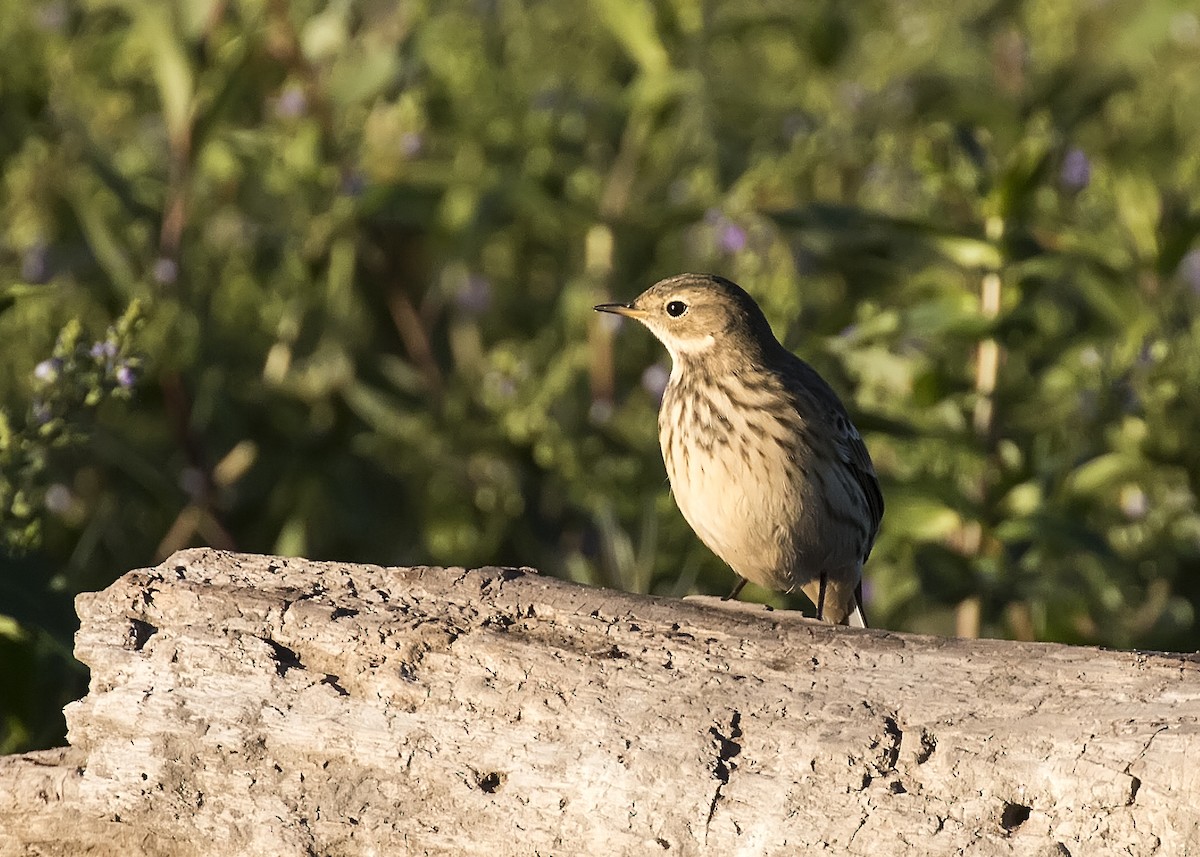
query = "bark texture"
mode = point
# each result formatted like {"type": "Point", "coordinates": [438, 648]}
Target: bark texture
{"type": "Point", "coordinates": [258, 705]}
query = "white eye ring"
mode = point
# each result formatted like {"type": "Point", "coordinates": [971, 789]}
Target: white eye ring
{"type": "Point", "coordinates": [676, 308]}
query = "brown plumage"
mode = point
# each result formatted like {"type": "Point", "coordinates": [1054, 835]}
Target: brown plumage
{"type": "Point", "coordinates": [763, 459]}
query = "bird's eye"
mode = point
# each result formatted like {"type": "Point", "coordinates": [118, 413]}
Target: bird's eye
{"type": "Point", "coordinates": [676, 308]}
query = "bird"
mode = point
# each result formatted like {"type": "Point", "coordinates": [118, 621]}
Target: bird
{"type": "Point", "coordinates": [762, 457]}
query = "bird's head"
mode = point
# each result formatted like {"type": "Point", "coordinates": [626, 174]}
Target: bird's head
{"type": "Point", "coordinates": [700, 316]}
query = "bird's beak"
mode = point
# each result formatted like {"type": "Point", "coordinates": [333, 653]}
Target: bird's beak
{"type": "Point", "coordinates": [627, 310]}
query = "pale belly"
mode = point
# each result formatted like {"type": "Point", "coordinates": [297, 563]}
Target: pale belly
{"type": "Point", "coordinates": [746, 503]}
{"type": "Point", "coordinates": [741, 524]}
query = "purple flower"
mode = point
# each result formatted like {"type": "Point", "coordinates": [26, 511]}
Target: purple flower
{"type": "Point", "coordinates": [105, 350]}
{"type": "Point", "coordinates": [353, 183]}
{"type": "Point", "coordinates": [852, 95]}
{"type": "Point", "coordinates": [41, 412]}
{"type": "Point", "coordinates": [47, 370]}
{"type": "Point", "coordinates": [732, 238]}
{"type": "Point", "coordinates": [601, 411]}
{"type": "Point", "coordinates": [58, 499]}
{"type": "Point", "coordinates": [499, 385]}
{"type": "Point", "coordinates": [126, 376]}
{"type": "Point", "coordinates": [1076, 171]}
{"type": "Point", "coordinates": [798, 124]}
{"type": "Point", "coordinates": [1134, 502]}
{"type": "Point", "coordinates": [1189, 270]}
{"type": "Point", "coordinates": [291, 104]}
{"type": "Point", "coordinates": [166, 271]}
{"type": "Point", "coordinates": [35, 264]}
{"type": "Point", "coordinates": [192, 481]}
{"type": "Point", "coordinates": [475, 295]}
{"type": "Point", "coordinates": [410, 144]}
{"type": "Point", "coordinates": [52, 17]}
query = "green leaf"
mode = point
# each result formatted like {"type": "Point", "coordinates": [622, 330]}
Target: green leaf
{"type": "Point", "coordinates": [1101, 473]}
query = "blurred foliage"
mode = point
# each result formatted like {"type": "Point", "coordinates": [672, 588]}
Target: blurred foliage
{"type": "Point", "coordinates": [343, 256]}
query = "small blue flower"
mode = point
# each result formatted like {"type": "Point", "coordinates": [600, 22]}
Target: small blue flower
{"type": "Point", "coordinates": [411, 144]}
{"type": "Point", "coordinates": [1189, 270]}
{"type": "Point", "coordinates": [105, 350]}
{"type": "Point", "coordinates": [292, 104]}
{"type": "Point", "coordinates": [35, 264]}
{"type": "Point", "coordinates": [601, 411]}
{"type": "Point", "coordinates": [799, 124]}
{"type": "Point", "coordinates": [1134, 502]}
{"type": "Point", "coordinates": [475, 295]}
{"type": "Point", "coordinates": [126, 376]}
{"type": "Point", "coordinates": [52, 17]}
{"type": "Point", "coordinates": [166, 271]}
{"type": "Point", "coordinates": [41, 412]}
{"type": "Point", "coordinates": [732, 238]}
{"type": "Point", "coordinates": [1076, 171]}
{"type": "Point", "coordinates": [58, 499]}
{"type": "Point", "coordinates": [353, 183]}
{"type": "Point", "coordinates": [47, 370]}
{"type": "Point", "coordinates": [193, 482]}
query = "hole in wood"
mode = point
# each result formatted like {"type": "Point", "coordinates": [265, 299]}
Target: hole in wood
{"type": "Point", "coordinates": [285, 659]}
{"type": "Point", "coordinates": [139, 632]}
{"type": "Point", "coordinates": [1013, 816]}
{"type": "Point", "coordinates": [490, 782]}
{"type": "Point", "coordinates": [928, 745]}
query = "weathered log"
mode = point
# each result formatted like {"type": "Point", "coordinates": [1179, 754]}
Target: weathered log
{"type": "Point", "coordinates": [258, 705]}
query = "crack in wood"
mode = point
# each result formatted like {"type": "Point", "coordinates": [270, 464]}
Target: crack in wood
{"type": "Point", "coordinates": [285, 659]}
{"type": "Point", "coordinates": [1135, 782]}
{"type": "Point", "coordinates": [891, 751]}
{"type": "Point", "coordinates": [728, 749]}
{"type": "Point", "coordinates": [928, 746]}
{"type": "Point", "coordinates": [862, 822]}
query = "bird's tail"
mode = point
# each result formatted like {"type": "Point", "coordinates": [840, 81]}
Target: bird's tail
{"type": "Point", "coordinates": [857, 619]}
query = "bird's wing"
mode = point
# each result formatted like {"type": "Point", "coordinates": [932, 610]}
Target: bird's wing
{"type": "Point", "coordinates": [848, 443]}
{"type": "Point", "coordinates": [854, 453]}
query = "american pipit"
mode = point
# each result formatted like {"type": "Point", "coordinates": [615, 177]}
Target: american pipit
{"type": "Point", "coordinates": [763, 460]}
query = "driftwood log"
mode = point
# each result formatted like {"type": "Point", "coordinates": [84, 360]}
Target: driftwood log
{"type": "Point", "coordinates": [258, 705]}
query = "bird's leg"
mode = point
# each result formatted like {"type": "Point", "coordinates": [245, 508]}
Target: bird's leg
{"type": "Point", "coordinates": [821, 597]}
{"type": "Point", "coordinates": [737, 587]}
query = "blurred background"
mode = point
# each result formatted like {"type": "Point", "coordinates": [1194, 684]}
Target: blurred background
{"type": "Point", "coordinates": [316, 278]}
